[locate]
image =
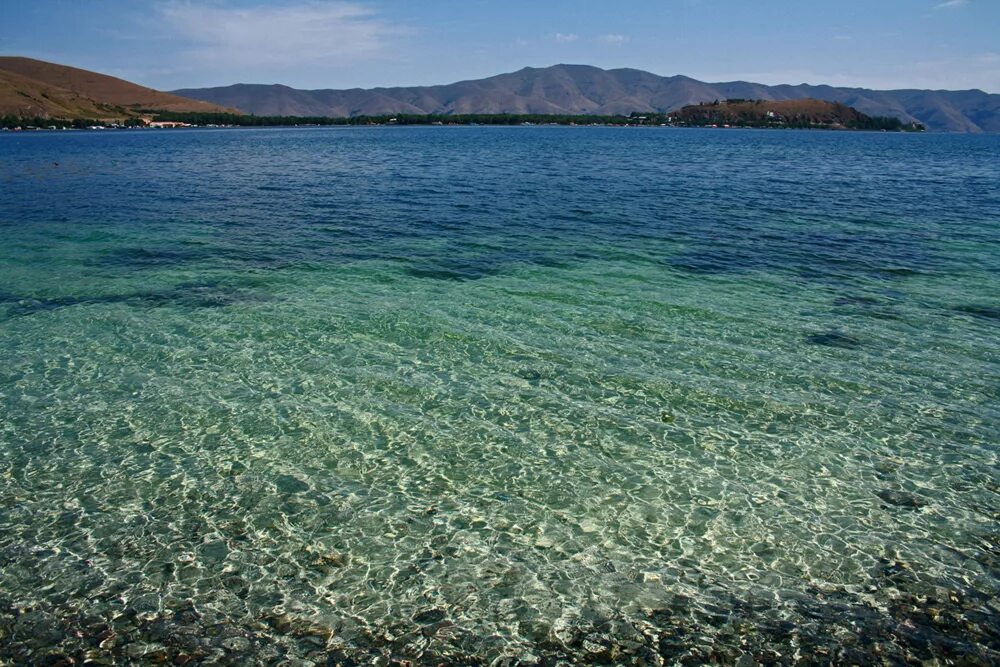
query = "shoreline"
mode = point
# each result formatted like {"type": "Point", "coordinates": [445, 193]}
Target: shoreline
{"type": "Point", "coordinates": [49, 130]}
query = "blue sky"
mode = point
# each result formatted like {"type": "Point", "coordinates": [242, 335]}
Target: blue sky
{"type": "Point", "coordinates": [169, 44]}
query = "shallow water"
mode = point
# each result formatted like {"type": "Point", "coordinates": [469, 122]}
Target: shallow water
{"type": "Point", "coordinates": [474, 395]}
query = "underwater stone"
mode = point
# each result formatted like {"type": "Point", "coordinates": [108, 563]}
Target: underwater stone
{"type": "Point", "coordinates": [238, 644]}
{"type": "Point", "coordinates": [236, 468]}
{"type": "Point", "coordinates": [57, 660]}
{"type": "Point", "coordinates": [429, 616]}
{"type": "Point", "coordinates": [42, 628]}
{"type": "Point", "coordinates": [901, 499]}
{"type": "Point", "coordinates": [215, 551]}
{"type": "Point", "coordinates": [290, 484]}
{"type": "Point", "coordinates": [595, 645]}
{"type": "Point", "coordinates": [157, 657]}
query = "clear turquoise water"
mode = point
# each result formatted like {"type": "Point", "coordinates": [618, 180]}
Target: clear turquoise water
{"type": "Point", "coordinates": [467, 395]}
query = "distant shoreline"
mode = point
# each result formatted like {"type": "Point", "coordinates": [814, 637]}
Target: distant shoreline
{"type": "Point", "coordinates": [725, 114]}
{"type": "Point", "coordinates": [300, 126]}
{"type": "Point", "coordinates": [202, 128]}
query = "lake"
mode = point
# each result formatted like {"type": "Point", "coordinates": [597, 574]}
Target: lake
{"type": "Point", "coordinates": [499, 396]}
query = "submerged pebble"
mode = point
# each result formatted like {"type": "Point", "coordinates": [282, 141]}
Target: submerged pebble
{"type": "Point", "coordinates": [291, 484]}
{"type": "Point", "coordinates": [902, 499]}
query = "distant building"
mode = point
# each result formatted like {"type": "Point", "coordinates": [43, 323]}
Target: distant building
{"type": "Point", "coordinates": [168, 124]}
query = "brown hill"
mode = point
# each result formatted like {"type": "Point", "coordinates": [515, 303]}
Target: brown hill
{"type": "Point", "coordinates": [27, 98]}
{"type": "Point", "coordinates": [30, 88]}
{"type": "Point", "coordinates": [808, 111]}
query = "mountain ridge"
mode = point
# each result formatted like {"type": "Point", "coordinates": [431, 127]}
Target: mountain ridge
{"type": "Point", "coordinates": [584, 89]}
{"type": "Point", "coordinates": [35, 88]}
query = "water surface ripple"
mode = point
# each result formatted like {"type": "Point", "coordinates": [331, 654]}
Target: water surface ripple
{"type": "Point", "coordinates": [499, 396]}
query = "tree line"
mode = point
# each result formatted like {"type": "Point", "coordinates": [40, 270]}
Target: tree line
{"type": "Point", "coordinates": [877, 123]}
{"type": "Point", "coordinates": [251, 120]}
{"type": "Point", "coordinates": [10, 122]}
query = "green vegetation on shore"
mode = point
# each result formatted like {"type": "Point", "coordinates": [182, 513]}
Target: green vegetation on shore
{"type": "Point", "coordinates": [11, 122]}
{"type": "Point", "coordinates": [397, 119]}
{"type": "Point", "coordinates": [787, 114]}
{"type": "Point", "coordinates": [810, 114]}
{"type": "Point", "coordinates": [862, 122]}
{"type": "Point", "coordinates": [239, 120]}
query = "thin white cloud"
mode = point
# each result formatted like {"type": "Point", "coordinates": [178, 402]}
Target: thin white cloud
{"type": "Point", "coordinates": [951, 4]}
{"type": "Point", "coordinates": [613, 39]}
{"type": "Point", "coordinates": [306, 32]}
{"type": "Point", "coordinates": [566, 37]}
{"type": "Point", "coordinates": [980, 71]}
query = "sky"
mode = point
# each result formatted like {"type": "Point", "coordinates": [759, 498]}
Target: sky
{"type": "Point", "coordinates": [170, 44]}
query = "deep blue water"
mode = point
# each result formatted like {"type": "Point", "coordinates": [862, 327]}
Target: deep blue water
{"type": "Point", "coordinates": [477, 394]}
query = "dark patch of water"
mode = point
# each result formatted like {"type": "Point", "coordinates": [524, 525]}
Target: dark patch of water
{"type": "Point", "coordinates": [477, 267]}
{"type": "Point", "coordinates": [856, 301]}
{"type": "Point", "coordinates": [289, 484]}
{"type": "Point", "coordinates": [834, 339]}
{"type": "Point", "coordinates": [187, 295]}
{"type": "Point", "coordinates": [811, 255]}
{"type": "Point", "coordinates": [980, 311]}
{"type": "Point", "coordinates": [455, 271]}
{"type": "Point", "coordinates": [867, 306]}
{"type": "Point", "coordinates": [147, 257]}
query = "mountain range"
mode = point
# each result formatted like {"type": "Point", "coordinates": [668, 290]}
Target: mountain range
{"type": "Point", "coordinates": [582, 89]}
{"type": "Point", "coordinates": [37, 89]}
{"type": "Point", "coordinates": [33, 88]}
